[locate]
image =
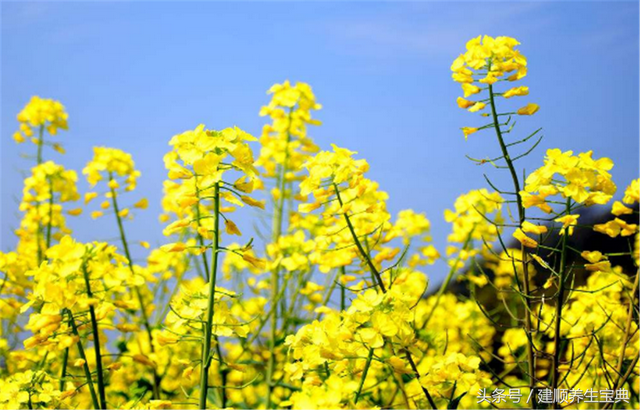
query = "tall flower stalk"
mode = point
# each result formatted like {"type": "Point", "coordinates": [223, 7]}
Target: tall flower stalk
{"type": "Point", "coordinates": [199, 158]}
{"type": "Point", "coordinates": [579, 181]}
{"type": "Point", "coordinates": [531, 366]}
{"type": "Point", "coordinates": [117, 168]}
{"type": "Point", "coordinates": [486, 61]}
{"type": "Point", "coordinates": [285, 147]}
{"type": "Point", "coordinates": [208, 324]}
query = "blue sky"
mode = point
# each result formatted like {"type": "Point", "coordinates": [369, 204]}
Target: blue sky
{"type": "Point", "coordinates": [133, 74]}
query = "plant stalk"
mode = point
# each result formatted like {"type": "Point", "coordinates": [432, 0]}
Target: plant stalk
{"type": "Point", "coordinates": [206, 344]}
{"type": "Point", "coordinates": [525, 267]}
{"type": "Point", "coordinates": [96, 341]}
{"type": "Point", "coordinates": [365, 255]}
{"type": "Point", "coordinates": [275, 274]}
{"type": "Point", "coordinates": [145, 317]}
{"type": "Point", "coordinates": [83, 356]}
{"type": "Point", "coordinates": [50, 222]}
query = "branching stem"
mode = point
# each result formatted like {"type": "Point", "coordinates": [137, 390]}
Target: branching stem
{"type": "Point", "coordinates": [525, 268]}
{"type": "Point", "coordinates": [143, 310]}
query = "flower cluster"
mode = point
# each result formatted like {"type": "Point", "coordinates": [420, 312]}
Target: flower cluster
{"type": "Point", "coordinates": [599, 307]}
{"type": "Point", "coordinates": [76, 277]}
{"type": "Point", "coordinates": [49, 186]}
{"type": "Point", "coordinates": [618, 226]}
{"type": "Point", "coordinates": [358, 339]}
{"type": "Point", "coordinates": [40, 114]}
{"type": "Point", "coordinates": [486, 61]}
{"type": "Point", "coordinates": [476, 217]}
{"type": "Point", "coordinates": [112, 164]}
{"type": "Point", "coordinates": [199, 160]}
{"type": "Point", "coordinates": [577, 179]}
{"type": "Point", "coordinates": [284, 142]}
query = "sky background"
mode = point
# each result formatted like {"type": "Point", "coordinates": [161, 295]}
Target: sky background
{"type": "Point", "coordinates": [132, 75]}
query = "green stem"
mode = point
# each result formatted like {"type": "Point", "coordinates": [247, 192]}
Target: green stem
{"type": "Point", "coordinates": [505, 153]}
{"type": "Point", "coordinates": [83, 356]}
{"type": "Point", "coordinates": [364, 375]}
{"type": "Point", "coordinates": [96, 341]}
{"type": "Point", "coordinates": [417, 374]}
{"type": "Point", "coordinates": [63, 372]}
{"type": "Point", "coordinates": [275, 274]}
{"type": "Point", "coordinates": [40, 144]}
{"type": "Point", "coordinates": [627, 333]}
{"type": "Point", "coordinates": [376, 274]}
{"type": "Point", "coordinates": [365, 255]}
{"type": "Point", "coordinates": [561, 277]}
{"type": "Point", "coordinates": [208, 324]}
{"type": "Point", "coordinates": [205, 262]}
{"type": "Point", "coordinates": [622, 379]}
{"type": "Point", "coordinates": [525, 268]}
{"type": "Point", "coordinates": [49, 223]}
{"type": "Point", "coordinates": [40, 228]}
{"type": "Point", "coordinates": [39, 237]}
{"type": "Point", "coordinates": [343, 291]}
{"type": "Point", "coordinates": [145, 317]}
{"type": "Point", "coordinates": [223, 374]}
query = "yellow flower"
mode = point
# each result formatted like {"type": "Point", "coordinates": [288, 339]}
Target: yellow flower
{"type": "Point", "coordinates": [632, 193]}
{"type": "Point", "coordinates": [516, 91]}
{"type": "Point", "coordinates": [114, 366]}
{"type": "Point", "coordinates": [578, 177]}
{"type": "Point", "coordinates": [18, 137]}
{"type": "Point", "coordinates": [111, 163]}
{"type": "Point", "coordinates": [470, 89]}
{"type": "Point", "coordinates": [529, 200]}
{"type": "Point", "coordinates": [75, 211]}
{"type": "Point", "coordinates": [252, 202]}
{"type": "Point", "coordinates": [477, 107]}
{"type": "Point", "coordinates": [528, 227]}
{"type": "Point", "coordinates": [113, 184]}
{"type": "Point", "coordinates": [174, 247]}
{"type": "Point", "coordinates": [568, 222]}
{"type": "Point", "coordinates": [489, 79]}
{"type": "Point", "coordinates": [524, 239]}
{"type": "Point", "coordinates": [89, 196]}
{"type": "Point", "coordinates": [528, 109]}
{"type": "Point", "coordinates": [592, 256]}
{"type": "Point", "coordinates": [468, 131]}
{"type": "Point", "coordinates": [166, 338]}
{"type": "Point", "coordinates": [256, 262]}
{"type": "Point", "coordinates": [462, 103]}
{"type": "Point", "coordinates": [40, 112]}
{"type": "Point", "coordinates": [231, 228]}
{"type": "Point", "coordinates": [142, 204]}
{"type": "Point", "coordinates": [469, 221]}
{"type": "Point", "coordinates": [619, 209]}
{"type": "Point", "coordinates": [160, 404]}
{"type": "Point", "coordinates": [58, 148]}
{"type": "Point", "coordinates": [308, 207]}
{"type": "Point", "coordinates": [616, 227]}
